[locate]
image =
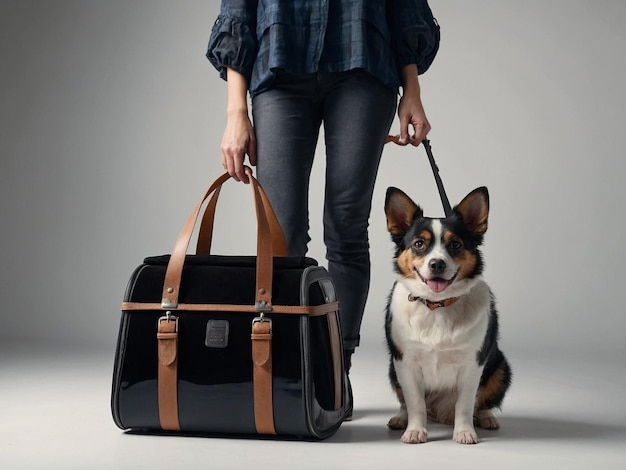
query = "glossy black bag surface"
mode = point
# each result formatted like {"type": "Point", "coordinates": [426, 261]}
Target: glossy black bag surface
{"type": "Point", "coordinates": [215, 379]}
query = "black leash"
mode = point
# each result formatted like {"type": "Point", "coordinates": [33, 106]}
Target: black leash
{"type": "Point", "coordinates": [442, 192]}
{"type": "Point", "coordinates": [447, 208]}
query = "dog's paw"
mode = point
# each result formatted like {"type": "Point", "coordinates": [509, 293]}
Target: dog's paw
{"type": "Point", "coordinates": [415, 437]}
{"type": "Point", "coordinates": [465, 436]}
{"type": "Point", "coordinates": [398, 422]}
{"type": "Point", "coordinates": [486, 420]}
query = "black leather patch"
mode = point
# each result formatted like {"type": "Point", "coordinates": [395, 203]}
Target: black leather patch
{"type": "Point", "coordinates": [216, 334]}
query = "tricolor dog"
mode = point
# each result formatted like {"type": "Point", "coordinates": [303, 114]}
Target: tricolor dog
{"type": "Point", "coordinates": [441, 321]}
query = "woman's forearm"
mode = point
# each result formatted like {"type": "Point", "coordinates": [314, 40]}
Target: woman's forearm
{"type": "Point", "coordinates": [237, 87]}
{"type": "Point", "coordinates": [238, 139]}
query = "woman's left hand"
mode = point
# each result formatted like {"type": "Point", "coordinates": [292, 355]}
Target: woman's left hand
{"type": "Point", "coordinates": [410, 110]}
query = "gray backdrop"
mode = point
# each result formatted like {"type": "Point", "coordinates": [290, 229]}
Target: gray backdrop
{"type": "Point", "coordinates": [111, 119]}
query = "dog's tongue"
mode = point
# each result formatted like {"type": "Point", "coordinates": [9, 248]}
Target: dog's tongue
{"type": "Point", "coordinates": [437, 285]}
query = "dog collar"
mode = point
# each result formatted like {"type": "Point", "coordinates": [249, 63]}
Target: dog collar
{"type": "Point", "coordinates": [434, 305]}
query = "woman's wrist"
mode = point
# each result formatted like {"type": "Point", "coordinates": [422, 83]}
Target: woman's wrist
{"type": "Point", "coordinates": [409, 79]}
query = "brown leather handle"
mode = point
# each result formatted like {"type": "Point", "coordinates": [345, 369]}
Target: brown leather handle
{"type": "Point", "coordinates": [205, 234]}
{"type": "Point", "coordinates": [265, 256]}
{"type": "Point", "coordinates": [392, 138]}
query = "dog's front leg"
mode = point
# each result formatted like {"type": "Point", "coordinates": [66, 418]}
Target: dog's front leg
{"type": "Point", "coordinates": [467, 386]}
{"type": "Point", "coordinates": [412, 382]}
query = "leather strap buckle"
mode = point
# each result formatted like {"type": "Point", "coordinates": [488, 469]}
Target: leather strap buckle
{"type": "Point", "coordinates": [169, 317]}
{"type": "Point", "coordinates": [263, 319]}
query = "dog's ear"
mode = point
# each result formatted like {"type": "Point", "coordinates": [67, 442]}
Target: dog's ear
{"type": "Point", "coordinates": [474, 210]}
{"type": "Point", "coordinates": [400, 211]}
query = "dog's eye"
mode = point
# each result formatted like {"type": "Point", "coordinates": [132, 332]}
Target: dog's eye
{"type": "Point", "coordinates": [419, 244]}
{"type": "Point", "coordinates": [455, 245]}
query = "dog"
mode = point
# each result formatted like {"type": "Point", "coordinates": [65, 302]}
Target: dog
{"type": "Point", "coordinates": [441, 322]}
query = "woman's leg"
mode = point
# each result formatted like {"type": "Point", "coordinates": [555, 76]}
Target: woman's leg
{"type": "Point", "coordinates": [286, 122]}
{"type": "Point", "coordinates": [358, 112]}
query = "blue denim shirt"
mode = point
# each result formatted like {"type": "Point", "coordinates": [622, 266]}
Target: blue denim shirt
{"type": "Point", "coordinates": [259, 37]}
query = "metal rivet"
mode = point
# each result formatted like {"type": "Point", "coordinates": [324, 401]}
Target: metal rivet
{"type": "Point", "coordinates": [261, 291]}
{"type": "Point", "coordinates": [169, 290]}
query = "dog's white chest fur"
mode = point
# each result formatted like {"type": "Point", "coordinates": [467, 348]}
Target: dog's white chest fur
{"type": "Point", "coordinates": [440, 344]}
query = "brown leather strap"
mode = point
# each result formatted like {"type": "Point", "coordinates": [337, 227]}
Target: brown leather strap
{"type": "Point", "coordinates": [262, 379]}
{"type": "Point", "coordinates": [313, 311]}
{"type": "Point", "coordinates": [264, 256]}
{"type": "Point", "coordinates": [167, 338]}
{"type": "Point", "coordinates": [393, 138]}
{"type": "Point", "coordinates": [205, 235]}
{"type": "Point", "coordinates": [177, 259]}
{"type": "Point", "coordinates": [335, 351]}
{"type": "Point", "coordinates": [263, 294]}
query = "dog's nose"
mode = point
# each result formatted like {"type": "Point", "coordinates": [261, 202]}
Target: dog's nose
{"type": "Point", "coordinates": [437, 266]}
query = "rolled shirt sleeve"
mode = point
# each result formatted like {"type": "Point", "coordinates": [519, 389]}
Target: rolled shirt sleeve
{"type": "Point", "coordinates": [233, 40]}
{"type": "Point", "coordinates": [415, 34]}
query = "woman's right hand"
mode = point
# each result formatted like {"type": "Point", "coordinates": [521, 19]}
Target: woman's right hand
{"type": "Point", "coordinates": [238, 139]}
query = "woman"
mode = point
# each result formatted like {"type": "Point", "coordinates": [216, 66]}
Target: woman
{"type": "Point", "coordinates": [338, 63]}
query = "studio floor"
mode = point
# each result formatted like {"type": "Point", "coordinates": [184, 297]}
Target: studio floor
{"type": "Point", "coordinates": [561, 413]}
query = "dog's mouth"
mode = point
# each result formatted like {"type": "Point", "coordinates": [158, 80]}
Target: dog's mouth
{"type": "Point", "coordinates": [437, 284]}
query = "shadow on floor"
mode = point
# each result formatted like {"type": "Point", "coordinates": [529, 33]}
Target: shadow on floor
{"type": "Point", "coordinates": [513, 428]}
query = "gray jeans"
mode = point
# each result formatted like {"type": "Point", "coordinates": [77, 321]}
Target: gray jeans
{"type": "Point", "coordinates": [356, 111]}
